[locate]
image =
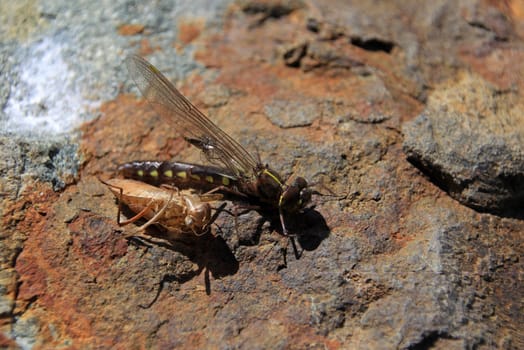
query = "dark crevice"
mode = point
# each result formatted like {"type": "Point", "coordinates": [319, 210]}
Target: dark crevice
{"type": "Point", "coordinates": [506, 207]}
{"type": "Point", "coordinates": [275, 11]}
{"type": "Point", "coordinates": [373, 44]}
{"type": "Point", "coordinates": [313, 25]}
{"type": "Point", "coordinates": [429, 340]}
{"type": "Point", "coordinates": [480, 25]}
{"type": "Point", "coordinates": [500, 35]}
{"type": "Point", "coordinates": [294, 56]}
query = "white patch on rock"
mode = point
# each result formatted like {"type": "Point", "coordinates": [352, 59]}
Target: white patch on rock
{"type": "Point", "coordinates": [46, 100]}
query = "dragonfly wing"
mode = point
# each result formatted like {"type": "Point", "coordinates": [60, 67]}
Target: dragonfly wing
{"type": "Point", "coordinates": [189, 121]}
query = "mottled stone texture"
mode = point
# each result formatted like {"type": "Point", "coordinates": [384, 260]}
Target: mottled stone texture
{"type": "Point", "coordinates": [470, 141]}
{"type": "Point", "coordinates": [351, 95]}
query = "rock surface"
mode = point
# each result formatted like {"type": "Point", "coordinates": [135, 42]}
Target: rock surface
{"type": "Point", "coordinates": [335, 91]}
{"type": "Point", "coordinates": [470, 141]}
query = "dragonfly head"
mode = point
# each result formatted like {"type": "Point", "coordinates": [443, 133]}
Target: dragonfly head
{"type": "Point", "coordinates": [295, 196]}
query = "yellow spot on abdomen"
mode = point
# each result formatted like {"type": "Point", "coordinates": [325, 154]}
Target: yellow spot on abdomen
{"type": "Point", "coordinates": [225, 181]}
{"type": "Point", "coordinates": [195, 177]}
{"type": "Point", "coordinates": [168, 173]}
{"type": "Point", "coordinates": [181, 174]}
{"type": "Point", "coordinates": [210, 179]}
{"type": "Point", "coordinates": [154, 173]}
{"type": "Point", "coordinates": [140, 173]}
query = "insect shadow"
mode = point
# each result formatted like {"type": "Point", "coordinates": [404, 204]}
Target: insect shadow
{"type": "Point", "coordinates": [309, 228]}
{"type": "Point", "coordinates": [209, 252]}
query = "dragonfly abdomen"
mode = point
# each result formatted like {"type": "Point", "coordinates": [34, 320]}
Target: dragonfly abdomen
{"type": "Point", "coordinates": [180, 174]}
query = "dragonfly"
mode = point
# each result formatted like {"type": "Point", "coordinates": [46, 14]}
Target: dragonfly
{"type": "Point", "coordinates": [236, 172]}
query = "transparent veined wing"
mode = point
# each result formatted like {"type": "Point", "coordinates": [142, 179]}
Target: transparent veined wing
{"type": "Point", "coordinates": [188, 121]}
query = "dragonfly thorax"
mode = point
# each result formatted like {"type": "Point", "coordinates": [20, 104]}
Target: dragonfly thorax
{"type": "Point", "coordinates": [268, 186]}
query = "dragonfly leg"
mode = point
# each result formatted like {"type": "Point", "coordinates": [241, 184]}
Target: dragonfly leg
{"type": "Point", "coordinates": [226, 190]}
{"type": "Point", "coordinates": [289, 236]}
{"type": "Point", "coordinates": [218, 210]}
{"type": "Point", "coordinates": [295, 250]}
{"type": "Point", "coordinates": [281, 215]}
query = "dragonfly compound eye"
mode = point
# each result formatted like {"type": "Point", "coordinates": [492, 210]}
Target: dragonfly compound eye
{"type": "Point", "coordinates": [305, 197]}
{"type": "Point", "coordinates": [300, 182]}
{"type": "Point", "coordinates": [296, 196]}
{"type": "Point", "coordinates": [304, 192]}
